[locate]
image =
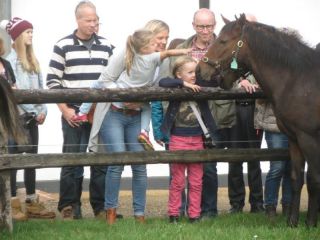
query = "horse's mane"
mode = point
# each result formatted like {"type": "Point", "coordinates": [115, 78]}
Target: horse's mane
{"type": "Point", "coordinates": [281, 48]}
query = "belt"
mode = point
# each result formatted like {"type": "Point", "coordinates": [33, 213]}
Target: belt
{"type": "Point", "coordinates": [249, 103]}
{"type": "Point", "coordinates": [125, 111]}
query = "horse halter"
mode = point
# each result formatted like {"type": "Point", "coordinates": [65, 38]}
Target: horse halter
{"type": "Point", "coordinates": [234, 63]}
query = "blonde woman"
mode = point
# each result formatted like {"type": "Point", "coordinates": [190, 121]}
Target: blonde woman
{"type": "Point", "coordinates": [28, 76]}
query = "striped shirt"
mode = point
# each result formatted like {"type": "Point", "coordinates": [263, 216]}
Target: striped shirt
{"type": "Point", "coordinates": [74, 65]}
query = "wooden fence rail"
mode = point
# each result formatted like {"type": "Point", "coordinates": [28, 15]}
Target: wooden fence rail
{"type": "Point", "coordinates": [18, 161]}
{"type": "Point", "coordinates": [128, 95]}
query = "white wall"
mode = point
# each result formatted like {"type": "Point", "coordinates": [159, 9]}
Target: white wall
{"type": "Point", "coordinates": [121, 17]}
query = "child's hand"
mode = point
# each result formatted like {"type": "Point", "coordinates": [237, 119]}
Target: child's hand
{"type": "Point", "coordinates": [194, 87]}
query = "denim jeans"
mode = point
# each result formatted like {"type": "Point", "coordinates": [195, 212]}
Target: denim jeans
{"type": "Point", "coordinates": [71, 178]}
{"type": "Point", "coordinates": [279, 170]}
{"type": "Point", "coordinates": [119, 133]}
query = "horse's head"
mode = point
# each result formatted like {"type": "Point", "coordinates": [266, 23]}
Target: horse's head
{"type": "Point", "coordinates": [223, 55]}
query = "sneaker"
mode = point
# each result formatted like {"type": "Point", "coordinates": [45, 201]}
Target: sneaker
{"type": "Point", "coordinates": [35, 209]}
{"type": "Point", "coordinates": [145, 141]}
{"type": "Point", "coordinates": [80, 118]}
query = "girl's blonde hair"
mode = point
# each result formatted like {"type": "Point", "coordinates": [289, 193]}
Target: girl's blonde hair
{"type": "Point", "coordinates": [26, 55]}
{"type": "Point", "coordinates": [135, 43]}
{"type": "Point", "coordinates": [156, 26]}
{"type": "Point", "coordinates": [180, 62]}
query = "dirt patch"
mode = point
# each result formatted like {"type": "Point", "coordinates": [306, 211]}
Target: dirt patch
{"type": "Point", "coordinates": [156, 202]}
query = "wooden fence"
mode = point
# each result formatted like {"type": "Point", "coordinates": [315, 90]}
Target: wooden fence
{"type": "Point", "coordinates": [18, 161]}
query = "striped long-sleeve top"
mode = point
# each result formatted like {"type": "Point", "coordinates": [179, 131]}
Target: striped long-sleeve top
{"type": "Point", "coordinates": [75, 64]}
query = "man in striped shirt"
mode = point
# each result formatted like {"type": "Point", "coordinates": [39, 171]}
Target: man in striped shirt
{"type": "Point", "coordinates": [77, 60]}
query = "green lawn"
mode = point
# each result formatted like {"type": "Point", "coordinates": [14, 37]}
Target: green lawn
{"type": "Point", "coordinates": [236, 227]}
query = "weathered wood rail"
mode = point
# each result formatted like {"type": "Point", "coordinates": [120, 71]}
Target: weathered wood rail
{"type": "Point", "coordinates": [18, 161]}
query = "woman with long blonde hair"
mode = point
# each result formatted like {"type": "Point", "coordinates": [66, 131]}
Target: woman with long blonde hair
{"type": "Point", "coordinates": [28, 76]}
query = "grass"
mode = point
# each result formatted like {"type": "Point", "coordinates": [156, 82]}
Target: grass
{"type": "Point", "coordinates": [225, 227]}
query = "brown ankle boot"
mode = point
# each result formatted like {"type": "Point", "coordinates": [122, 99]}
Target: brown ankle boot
{"type": "Point", "coordinates": [140, 219]}
{"type": "Point", "coordinates": [35, 209]}
{"type": "Point", "coordinates": [111, 216]}
{"type": "Point", "coordinates": [17, 213]}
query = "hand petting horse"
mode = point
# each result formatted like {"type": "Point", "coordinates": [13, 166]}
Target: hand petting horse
{"type": "Point", "coordinates": [288, 71]}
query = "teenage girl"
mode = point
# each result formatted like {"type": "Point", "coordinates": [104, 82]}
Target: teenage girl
{"type": "Point", "coordinates": [141, 62]}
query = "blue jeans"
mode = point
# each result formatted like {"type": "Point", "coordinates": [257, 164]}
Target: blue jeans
{"type": "Point", "coordinates": [119, 133]}
{"type": "Point", "coordinates": [279, 170]}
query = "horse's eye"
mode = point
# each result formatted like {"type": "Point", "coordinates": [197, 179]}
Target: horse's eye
{"type": "Point", "coordinates": [222, 41]}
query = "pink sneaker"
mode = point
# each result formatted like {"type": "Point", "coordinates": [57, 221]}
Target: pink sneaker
{"type": "Point", "coordinates": [81, 118]}
{"type": "Point", "coordinates": [145, 141]}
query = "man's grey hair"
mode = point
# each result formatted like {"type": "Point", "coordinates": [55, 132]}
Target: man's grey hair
{"type": "Point", "coordinates": [83, 3]}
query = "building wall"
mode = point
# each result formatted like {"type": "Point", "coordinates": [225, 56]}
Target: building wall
{"type": "Point", "coordinates": [53, 20]}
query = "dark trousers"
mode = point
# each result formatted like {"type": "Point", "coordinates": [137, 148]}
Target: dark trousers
{"type": "Point", "coordinates": [30, 173]}
{"type": "Point", "coordinates": [71, 178]}
{"type": "Point", "coordinates": [210, 179]}
{"type": "Point", "coordinates": [247, 137]}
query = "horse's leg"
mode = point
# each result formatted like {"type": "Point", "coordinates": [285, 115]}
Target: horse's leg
{"type": "Point", "coordinates": [313, 193]}
{"type": "Point", "coordinates": [310, 146]}
{"type": "Point", "coordinates": [297, 179]}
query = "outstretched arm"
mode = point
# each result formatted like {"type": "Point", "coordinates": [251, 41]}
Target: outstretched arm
{"type": "Point", "coordinates": [174, 52]}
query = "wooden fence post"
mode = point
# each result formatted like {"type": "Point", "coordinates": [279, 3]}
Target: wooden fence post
{"type": "Point", "coordinates": [5, 195]}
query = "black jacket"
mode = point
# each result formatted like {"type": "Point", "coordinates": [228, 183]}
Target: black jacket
{"type": "Point", "coordinates": [173, 109]}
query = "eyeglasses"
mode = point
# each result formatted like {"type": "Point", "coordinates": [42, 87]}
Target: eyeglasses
{"type": "Point", "coordinates": [203, 27]}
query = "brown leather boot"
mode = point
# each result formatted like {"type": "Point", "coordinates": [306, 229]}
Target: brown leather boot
{"type": "Point", "coordinates": [140, 219]}
{"type": "Point", "coordinates": [35, 209]}
{"type": "Point", "coordinates": [111, 215]}
{"type": "Point", "coordinates": [17, 213]}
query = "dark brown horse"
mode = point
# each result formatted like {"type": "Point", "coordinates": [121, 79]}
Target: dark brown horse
{"type": "Point", "coordinates": [9, 120]}
{"type": "Point", "coordinates": [288, 72]}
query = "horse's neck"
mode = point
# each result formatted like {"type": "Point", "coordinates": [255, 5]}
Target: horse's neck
{"type": "Point", "coordinates": [270, 81]}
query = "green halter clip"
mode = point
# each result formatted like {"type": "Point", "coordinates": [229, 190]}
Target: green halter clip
{"type": "Point", "coordinates": [234, 64]}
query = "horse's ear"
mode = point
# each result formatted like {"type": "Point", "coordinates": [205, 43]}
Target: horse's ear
{"type": "Point", "coordinates": [242, 20]}
{"type": "Point", "coordinates": [225, 19]}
